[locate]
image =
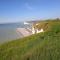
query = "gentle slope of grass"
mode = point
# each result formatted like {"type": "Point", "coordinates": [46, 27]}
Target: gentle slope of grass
{"type": "Point", "coordinates": [42, 46]}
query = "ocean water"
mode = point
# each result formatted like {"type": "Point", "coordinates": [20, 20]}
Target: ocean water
{"type": "Point", "coordinates": [8, 31]}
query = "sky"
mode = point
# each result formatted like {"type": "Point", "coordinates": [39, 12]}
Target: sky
{"type": "Point", "coordinates": [22, 10]}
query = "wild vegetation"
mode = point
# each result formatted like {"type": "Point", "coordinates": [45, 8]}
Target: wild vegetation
{"type": "Point", "coordinates": [42, 46]}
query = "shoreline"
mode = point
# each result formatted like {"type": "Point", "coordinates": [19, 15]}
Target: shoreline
{"type": "Point", "coordinates": [25, 32]}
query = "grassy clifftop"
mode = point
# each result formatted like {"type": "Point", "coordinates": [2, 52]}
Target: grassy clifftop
{"type": "Point", "coordinates": [42, 46]}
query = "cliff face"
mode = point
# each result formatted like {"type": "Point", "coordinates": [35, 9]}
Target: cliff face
{"type": "Point", "coordinates": [46, 25]}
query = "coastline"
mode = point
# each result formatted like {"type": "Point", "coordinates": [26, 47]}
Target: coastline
{"type": "Point", "coordinates": [25, 32]}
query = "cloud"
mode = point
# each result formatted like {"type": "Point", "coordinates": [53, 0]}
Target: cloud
{"type": "Point", "coordinates": [28, 6]}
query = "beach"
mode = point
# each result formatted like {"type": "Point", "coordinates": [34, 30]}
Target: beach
{"type": "Point", "coordinates": [25, 32]}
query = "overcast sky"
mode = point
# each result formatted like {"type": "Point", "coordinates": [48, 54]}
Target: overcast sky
{"type": "Point", "coordinates": [22, 10]}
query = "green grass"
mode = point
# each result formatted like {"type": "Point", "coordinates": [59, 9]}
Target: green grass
{"type": "Point", "coordinates": [42, 46]}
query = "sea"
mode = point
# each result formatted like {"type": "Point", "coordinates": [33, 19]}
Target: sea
{"type": "Point", "coordinates": [8, 31]}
